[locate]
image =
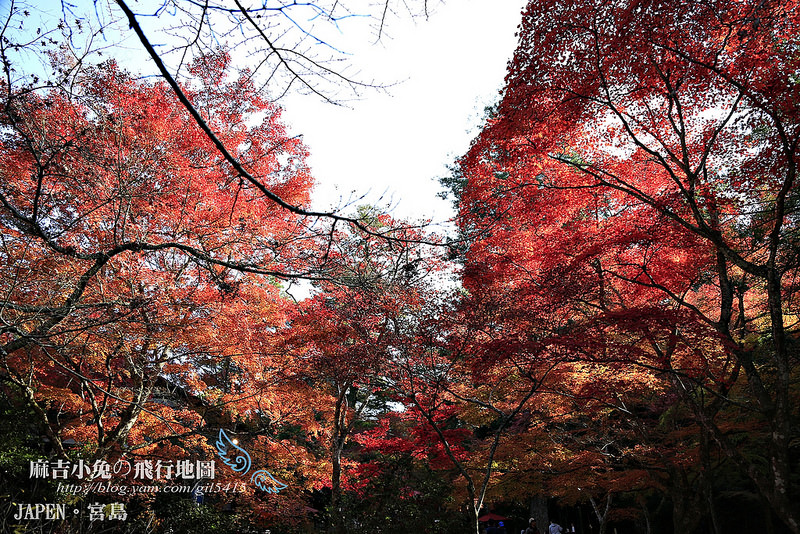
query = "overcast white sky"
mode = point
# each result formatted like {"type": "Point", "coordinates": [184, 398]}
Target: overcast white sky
{"type": "Point", "coordinates": [397, 143]}
{"type": "Point", "coordinates": [392, 145]}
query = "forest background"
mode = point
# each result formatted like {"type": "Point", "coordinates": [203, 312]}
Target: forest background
{"type": "Point", "coordinates": [609, 337]}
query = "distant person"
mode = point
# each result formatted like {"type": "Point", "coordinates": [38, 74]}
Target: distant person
{"type": "Point", "coordinates": [555, 528]}
{"type": "Point", "coordinates": [531, 527]}
{"type": "Point", "coordinates": [501, 528]}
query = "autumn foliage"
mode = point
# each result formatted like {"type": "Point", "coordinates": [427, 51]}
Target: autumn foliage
{"type": "Point", "coordinates": [631, 207]}
{"type": "Point", "coordinates": [137, 270]}
{"type": "Point", "coordinates": [614, 328]}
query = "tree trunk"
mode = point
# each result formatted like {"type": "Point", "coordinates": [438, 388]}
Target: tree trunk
{"type": "Point", "coordinates": [336, 493]}
{"type": "Point", "coordinates": [781, 499]}
{"type": "Point", "coordinates": [707, 480]}
{"type": "Point", "coordinates": [538, 511]}
{"type": "Point", "coordinates": [645, 512]}
{"type": "Point", "coordinates": [473, 520]}
{"type": "Point", "coordinates": [686, 501]}
{"type": "Point", "coordinates": [337, 445]}
{"type": "Point", "coordinates": [602, 517]}
{"type": "Point", "coordinates": [773, 404]}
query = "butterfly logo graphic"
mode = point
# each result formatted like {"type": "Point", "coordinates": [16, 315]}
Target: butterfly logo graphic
{"type": "Point", "coordinates": [239, 460]}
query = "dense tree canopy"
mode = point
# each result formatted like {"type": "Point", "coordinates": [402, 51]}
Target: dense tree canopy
{"type": "Point", "coordinates": [633, 204]}
{"type": "Point", "coordinates": [618, 348]}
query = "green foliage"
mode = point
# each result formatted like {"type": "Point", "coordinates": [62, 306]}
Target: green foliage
{"type": "Point", "coordinates": [19, 443]}
{"type": "Point", "coordinates": [454, 184]}
{"type": "Point", "coordinates": [180, 515]}
{"type": "Point", "coordinates": [403, 497]}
